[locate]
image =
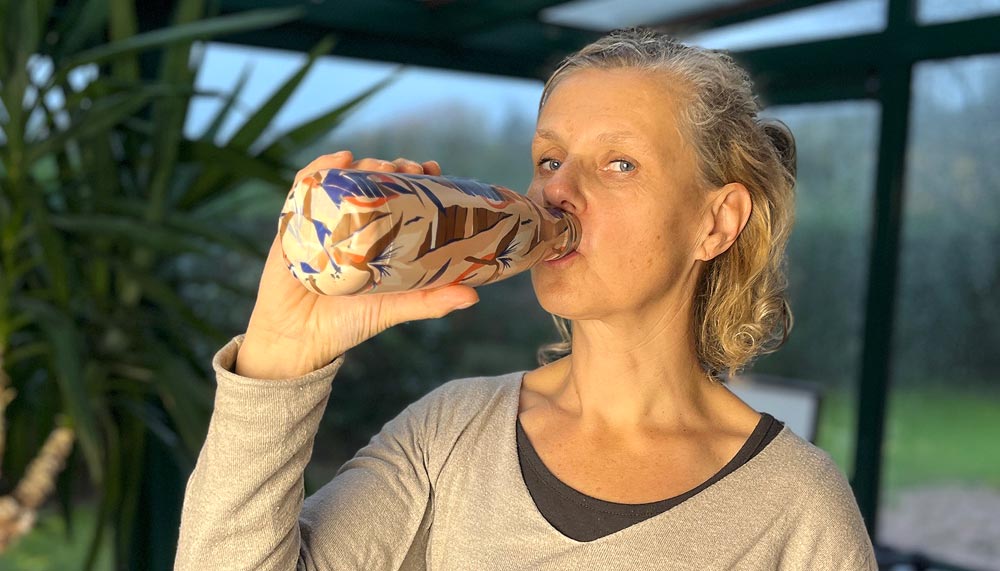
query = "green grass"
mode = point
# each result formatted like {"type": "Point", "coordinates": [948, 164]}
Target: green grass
{"type": "Point", "coordinates": [933, 436]}
{"type": "Point", "coordinates": [48, 548]}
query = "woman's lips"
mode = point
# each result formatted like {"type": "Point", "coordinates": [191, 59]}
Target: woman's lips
{"type": "Point", "coordinates": [563, 261]}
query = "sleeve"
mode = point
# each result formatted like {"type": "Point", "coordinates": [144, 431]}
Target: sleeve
{"type": "Point", "coordinates": [244, 507]}
{"type": "Point", "coordinates": [830, 534]}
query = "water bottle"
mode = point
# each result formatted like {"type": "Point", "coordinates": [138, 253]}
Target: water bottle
{"type": "Point", "coordinates": [350, 232]}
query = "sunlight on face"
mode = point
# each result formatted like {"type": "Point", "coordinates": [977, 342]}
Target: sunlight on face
{"type": "Point", "coordinates": [609, 148]}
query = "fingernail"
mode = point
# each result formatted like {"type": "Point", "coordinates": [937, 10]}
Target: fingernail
{"type": "Point", "coordinates": [467, 304]}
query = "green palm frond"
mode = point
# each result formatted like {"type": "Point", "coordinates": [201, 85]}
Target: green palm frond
{"type": "Point", "coordinates": [110, 216]}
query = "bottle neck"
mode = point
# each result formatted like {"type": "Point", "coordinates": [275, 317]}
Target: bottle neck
{"type": "Point", "coordinates": [571, 231]}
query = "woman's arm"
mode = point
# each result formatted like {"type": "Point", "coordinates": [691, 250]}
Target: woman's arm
{"type": "Point", "coordinates": [243, 500]}
{"type": "Point", "coordinates": [243, 508]}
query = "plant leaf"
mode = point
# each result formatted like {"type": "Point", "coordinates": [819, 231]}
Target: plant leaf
{"type": "Point", "coordinates": [202, 29]}
{"type": "Point", "coordinates": [187, 401]}
{"type": "Point", "coordinates": [129, 229]}
{"type": "Point", "coordinates": [83, 22]}
{"type": "Point", "coordinates": [107, 112]}
{"type": "Point", "coordinates": [212, 131]}
{"type": "Point", "coordinates": [54, 260]}
{"type": "Point", "coordinates": [237, 163]}
{"type": "Point", "coordinates": [164, 297]}
{"type": "Point", "coordinates": [110, 489]}
{"type": "Point", "coordinates": [124, 24]}
{"type": "Point", "coordinates": [309, 131]}
{"type": "Point", "coordinates": [67, 367]}
{"type": "Point", "coordinates": [168, 114]}
{"type": "Point", "coordinates": [213, 178]}
{"type": "Point", "coordinates": [25, 352]}
{"type": "Point", "coordinates": [184, 224]}
{"type": "Point", "coordinates": [254, 127]}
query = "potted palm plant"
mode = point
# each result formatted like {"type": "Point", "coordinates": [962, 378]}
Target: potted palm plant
{"type": "Point", "coordinates": [111, 219]}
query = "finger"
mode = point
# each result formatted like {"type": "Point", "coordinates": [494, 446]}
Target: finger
{"type": "Point", "coordinates": [408, 166]}
{"type": "Point", "coordinates": [431, 168]}
{"type": "Point", "coordinates": [370, 164]}
{"type": "Point", "coordinates": [338, 160]}
{"type": "Point", "coordinates": [427, 304]}
{"type": "Point", "coordinates": [275, 267]}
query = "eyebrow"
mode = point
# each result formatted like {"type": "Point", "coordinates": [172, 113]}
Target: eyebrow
{"type": "Point", "coordinates": [610, 137]}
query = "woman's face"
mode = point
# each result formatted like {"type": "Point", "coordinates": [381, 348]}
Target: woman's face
{"type": "Point", "coordinates": [609, 148]}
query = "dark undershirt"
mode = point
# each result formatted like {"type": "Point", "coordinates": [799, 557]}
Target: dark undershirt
{"type": "Point", "coordinates": [584, 518]}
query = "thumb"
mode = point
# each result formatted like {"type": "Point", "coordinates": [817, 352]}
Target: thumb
{"type": "Point", "coordinates": [428, 304]}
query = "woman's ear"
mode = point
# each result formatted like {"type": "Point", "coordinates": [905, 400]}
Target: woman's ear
{"type": "Point", "coordinates": [727, 214]}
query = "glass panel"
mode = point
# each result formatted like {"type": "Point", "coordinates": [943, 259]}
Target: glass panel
{"type": "Point", "coordinates": [604, 15]}
{"type": "Point", "coordinates": [831, 20]}
{"type": "Point", "coordinates": [937, 11]}
{"type": "Point", "coordinates": [828, 261]}
{"type": "Point", "coordinates": [941, 487]}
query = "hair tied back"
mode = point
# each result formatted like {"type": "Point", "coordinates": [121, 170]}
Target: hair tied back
{"type": "Point", "coordinates": [784, 142]}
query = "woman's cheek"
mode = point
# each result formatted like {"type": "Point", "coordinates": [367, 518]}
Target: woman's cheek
{"type": "Point", "coordinates": [535, 192]}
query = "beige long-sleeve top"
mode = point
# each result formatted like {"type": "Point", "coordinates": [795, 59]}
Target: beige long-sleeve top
{"type": "Point", "coordinates": [440, 488]}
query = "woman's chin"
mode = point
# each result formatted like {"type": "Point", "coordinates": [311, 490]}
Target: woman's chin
{"type": "Point", "coordinates": [561, 302]}
{"type": "Point", "coordinates": [563, 295]}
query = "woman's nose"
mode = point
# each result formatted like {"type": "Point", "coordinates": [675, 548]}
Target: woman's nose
{"type": "Point", "coordinates": [562, 190]}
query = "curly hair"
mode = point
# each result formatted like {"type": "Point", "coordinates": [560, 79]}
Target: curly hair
{"type": "Point", "coordinates": [741, 310]}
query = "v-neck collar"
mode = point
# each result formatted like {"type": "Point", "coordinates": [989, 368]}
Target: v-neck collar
{"type": "Point", "coordinates": [512, 468]}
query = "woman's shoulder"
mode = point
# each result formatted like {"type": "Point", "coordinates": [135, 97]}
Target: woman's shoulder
{"type": "Point", "coordinates": [454, 404]}
{"type": "Point", "coordinates": [805, 474]}
{"type": "Point", "coordinates": [474, 391]}
{"type": "Point", "coordinates": [801, 463]}
{"type": "Point", "coordinates": [817, 502]}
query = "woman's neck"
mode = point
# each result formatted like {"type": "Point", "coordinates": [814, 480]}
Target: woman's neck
{"type": "Point", "coordinates": [636, 371]}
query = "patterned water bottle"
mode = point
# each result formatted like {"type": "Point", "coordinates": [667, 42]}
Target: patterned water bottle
{"type": "Point", "coordinates": [349, 232]}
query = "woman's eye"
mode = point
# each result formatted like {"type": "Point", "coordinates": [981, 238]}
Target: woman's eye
{"type": "Point", "coordinates": [553, 164]}
{"type": "Point", "coordinates": [623, 165]}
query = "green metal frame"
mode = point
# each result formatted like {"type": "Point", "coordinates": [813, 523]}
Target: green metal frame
{"type": "Point", "coordinates": [492, 36]}
{"type": "Point", "coordinates": [729, 14]}
{"type": "Point", "coordinates": [875, 66]}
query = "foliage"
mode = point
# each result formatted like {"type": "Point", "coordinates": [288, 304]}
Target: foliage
{"type": "Point", "coordinates": [107, 209]}
{"type": "Point", "coordinates": [52, 545]}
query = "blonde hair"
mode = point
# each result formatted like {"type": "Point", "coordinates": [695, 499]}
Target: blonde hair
{"type": "Point", "coordinates": [740, 308]}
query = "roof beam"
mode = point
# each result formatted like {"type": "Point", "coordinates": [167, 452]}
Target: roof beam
{"type": "Point", "coordinates": [489, 13]}
{"type": "Point", "coordinates": [793, 91]}
{"type": "Point", "coordinates": [526, 48]}
{"type": "Point", "coordinates": [407, 19]}
{"type": "Point", "coordinates": [521, 57]}
{"type": "Point", "coordinates": [861, 59]}
{"type": "Point", "coordinates": [720, 16]}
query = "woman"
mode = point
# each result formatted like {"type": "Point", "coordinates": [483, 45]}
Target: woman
{"type": "Point", "coordinates": [625, 452]}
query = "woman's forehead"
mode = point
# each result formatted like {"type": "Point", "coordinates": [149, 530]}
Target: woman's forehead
{"type": "Point", "coordinates": [610, 107]}
{"type": "Point", "coordinates": [627, 92]}
{"type": "Point", "coordinates": [650, 85]}
{"type": "Point", "coordinates": [607, 137]}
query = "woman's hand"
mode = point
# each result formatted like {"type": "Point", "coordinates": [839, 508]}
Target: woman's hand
{"type": "Point", "coordinates": [293, 331]}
